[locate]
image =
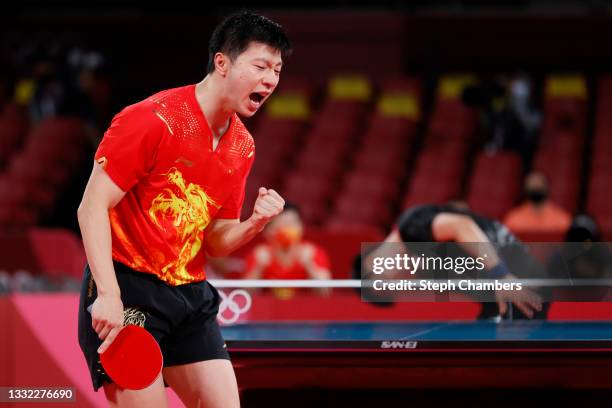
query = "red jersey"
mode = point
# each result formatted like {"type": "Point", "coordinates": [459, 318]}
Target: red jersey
{"type": "Point", "coordinates": [294, 270]}
{"type": "Point", "coordinates": [160, 152]}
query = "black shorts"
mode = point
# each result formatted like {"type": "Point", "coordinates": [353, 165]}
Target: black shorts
{"type": "Point", "coordinates": [183, 319]}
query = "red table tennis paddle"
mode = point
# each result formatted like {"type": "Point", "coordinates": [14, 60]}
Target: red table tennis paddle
{"type": "Point", "coordinates": [133, 360]}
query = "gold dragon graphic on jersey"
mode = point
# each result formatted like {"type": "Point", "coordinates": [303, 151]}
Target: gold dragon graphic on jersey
{"type": "Point", "coordinates": [186, 206]}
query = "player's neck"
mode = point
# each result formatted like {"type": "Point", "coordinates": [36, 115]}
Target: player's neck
{"type": "Point", "coordinates": [210, 97]}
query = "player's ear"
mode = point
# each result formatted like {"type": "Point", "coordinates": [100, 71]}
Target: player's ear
{"type": "Point", "coordinates": [222, 63]}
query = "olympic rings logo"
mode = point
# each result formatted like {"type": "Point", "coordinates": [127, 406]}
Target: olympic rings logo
{"type": "Point", "coordinates": [235, 304]}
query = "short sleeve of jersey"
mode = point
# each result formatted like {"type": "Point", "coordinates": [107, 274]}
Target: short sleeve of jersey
{"type": "Point", "coordinates": [232, 208]}
{"type": "Point", "coordinates": [129, 146]}
{"type": "Point", "coordinates": [414, 225]}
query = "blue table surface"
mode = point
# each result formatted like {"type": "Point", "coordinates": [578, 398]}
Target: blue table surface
{"type": "Point", "coordinates": [438, 331]}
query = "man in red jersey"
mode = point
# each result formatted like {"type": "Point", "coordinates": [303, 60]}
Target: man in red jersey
{"type": "Point", "coordinates": [166, 190]}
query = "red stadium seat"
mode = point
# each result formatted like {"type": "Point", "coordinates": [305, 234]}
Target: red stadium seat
{"type": "Point", "coordinates": [12, 136]}
{"type": "Point", "coordinates": [389, 127]}
{"type": "Point", "coordinates": [447, 148]}
{"type": "Point", "coordinates": [58, 252]}
{"type": "Point", "coordinates": [362, 209]}
{"type": "Point", "coordinates": [313, 212]}
{"type": "Point", "coordinates": [557, 167]}
{"type": "Point", "coordinates": [17, 193]}
{"type": "Point", "coordinates": [603, 144]}
{"type": "Point", "coordinates": [327, 166]}
{"type": "Point", "coordinates": [305, 86]}
{"type": "Point", "coordinates": [351, 226]}
{"type": "Point", "coordinates": [601, 162]}
{"type": "Point", "coordinates": [341, 110]}
{"type": "Point", "coordinates": [502, 163]}
{"type": "Point", "coordinates": [424, 183]}
{"type": "Point", "coordinates": [423, 190]}
{"type": "Point", "coordinates": [495, 183]}
{"type": "Point", "coordinates": [379, 164]}
{"type": "Point", "coordinates": [396, 141]}
{"type": "Point", "coordinates": [28, 169]}
{"type": "Point", "coordinates": [320, 144]}
{"type": "Point", "coordinates": [605, 223]}
{"type": "Point", "coordinates": [276, 128]}
{"type": "Point", "coordinates": [12, 216]}
{"type": "Point", "coordinates": [331, 128]}
{"type": "Point", "coordinates": [297, 184]}
{"type": "Point", "coordinates": [488, 206]}
{"type": "Point", "coordinates": [61, 130]}
{"type": "Point", "coordinates": [598, 202]}
{"type": "Point", "coordinates": [391, 152]}
{"type": "Point", "coordinates": [403, 84]}
{"type": "Point", "coordinates": [370, 185]}
{"type": "Point", "coordinates": [70, 156]}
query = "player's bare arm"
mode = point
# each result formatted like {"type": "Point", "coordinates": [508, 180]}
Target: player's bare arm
{"type": "Point", "coordinates": [101, 194]}
{"type": "Point", "coordinates": [225, 236]}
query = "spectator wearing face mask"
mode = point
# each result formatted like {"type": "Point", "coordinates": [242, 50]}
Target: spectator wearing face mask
{"type": "Point", "coordinates": [285, 255]}
{"type": "Point", "coordinates": [537, 214]}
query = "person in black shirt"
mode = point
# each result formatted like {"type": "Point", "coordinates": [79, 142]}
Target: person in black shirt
{"type": "Point", "coordinates": [507, 257]}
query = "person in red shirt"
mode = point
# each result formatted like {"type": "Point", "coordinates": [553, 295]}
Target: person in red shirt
{"type": "Point", "coordinates": [285, 255]}
{"type": "Point", "coordinates": [538, 214]}
{"type": "Point", "coordinates": [166, 190]}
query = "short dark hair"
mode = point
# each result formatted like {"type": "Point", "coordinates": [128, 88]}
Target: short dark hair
{"type": "Point", "coordinates": [234, 34]}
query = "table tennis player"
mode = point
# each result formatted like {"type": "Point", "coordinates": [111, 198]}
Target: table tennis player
{"type": "Point", "coordinates": [166, 190]}
{"type": "Point", "coordinates": [455, 223]}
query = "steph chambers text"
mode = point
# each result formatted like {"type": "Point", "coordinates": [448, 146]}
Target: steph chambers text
{"type": "Point", "coordinates": [444, 285]}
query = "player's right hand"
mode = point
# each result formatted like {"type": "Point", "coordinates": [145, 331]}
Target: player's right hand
{"type": "Point", "coordinates": [526, 300]}
{"type": "Point", "coordinates": [107, 319]}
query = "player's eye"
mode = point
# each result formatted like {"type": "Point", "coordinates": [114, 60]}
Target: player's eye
{"type": "Point", "coordinates": [260, 67]}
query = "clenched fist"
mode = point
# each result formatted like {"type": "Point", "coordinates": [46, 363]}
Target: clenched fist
{"type": "Point", "coordinates": [267, 206]}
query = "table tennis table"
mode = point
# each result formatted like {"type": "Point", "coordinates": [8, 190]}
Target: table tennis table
{"type": "Point", "coordinates": [391, 355]}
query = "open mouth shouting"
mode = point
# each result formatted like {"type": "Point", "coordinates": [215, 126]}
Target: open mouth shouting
{"type": "Point", "coordinates": [256, 99]}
